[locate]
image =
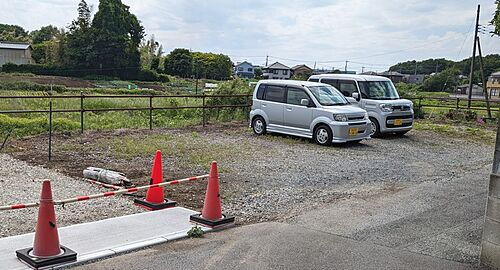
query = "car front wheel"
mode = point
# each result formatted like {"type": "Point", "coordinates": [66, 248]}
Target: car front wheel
{"type": "Point", "coordinates": [375, 128]}
{"type": "Point", "coordinates": [323, 135]}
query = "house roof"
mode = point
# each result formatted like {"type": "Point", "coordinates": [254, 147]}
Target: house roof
{"type": "Point", "coordinates": [14, 45]}
{"type": "Point", "coordinates": [244, 62]}
{"type": "Point", "coordinates": [391, 73]}
{"type": "Point", "coordinates": [496, 74]}
{"type": "Point", "coordinates": [299, 66]}
{"type": "Point", "coordinates": [277, 65]}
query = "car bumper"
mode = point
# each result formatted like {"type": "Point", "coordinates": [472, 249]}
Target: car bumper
{"type": "Point", "coordinates": [341, 131]}
{"type": "Point", "coordinates": [391, 123]}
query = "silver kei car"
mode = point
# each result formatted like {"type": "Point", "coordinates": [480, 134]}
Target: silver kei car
{"type": "Point", "coordinates": [307, 109]}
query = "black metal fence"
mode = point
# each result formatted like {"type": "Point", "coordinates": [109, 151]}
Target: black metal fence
{"type": "Point", "coordinates": [82, 110]}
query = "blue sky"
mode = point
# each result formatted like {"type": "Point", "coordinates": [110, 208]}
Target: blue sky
{"type": "Point", "coordinates": [369, 33]}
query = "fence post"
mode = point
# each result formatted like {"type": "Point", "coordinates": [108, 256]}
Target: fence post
{"type": "Point", "coordinates": [81, 111]}
{"type": "Point", "coordinates": [50, 127]}
{"type": "Point", "coordinates": [151, 112]}
{"type": "Point", "coordinates": [458, 103]}
{"type": "Point", "coordinates": [203, 109]}
{"type": "Point", "coordinates": [420, 103]}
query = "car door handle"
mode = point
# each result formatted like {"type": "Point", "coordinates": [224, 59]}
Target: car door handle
{"type": "Point", "coordinates": [289, 109]}
{"type": "Point", "coordinates": [264, 105]}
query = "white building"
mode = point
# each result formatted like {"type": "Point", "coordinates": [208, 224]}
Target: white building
{"type": "Point", "coordinates": [276, 71]}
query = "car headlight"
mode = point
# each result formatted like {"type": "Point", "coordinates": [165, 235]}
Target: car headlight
{"type": "Point", "coordinates": [340, 117]}
{"type": "Point", "coordinates": [366, 116]}
{"type": "Point", "coordinates": [411, 105]}
{"type": "Point", "coordinates": [386, 107]}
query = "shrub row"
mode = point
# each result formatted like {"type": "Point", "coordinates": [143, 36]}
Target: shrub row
{"type": "Point", "coordinates": [24, 85]}
{"type": "Point", "coordinates": [125, 73]}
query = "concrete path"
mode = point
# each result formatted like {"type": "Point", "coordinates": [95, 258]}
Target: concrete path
{"type": "Point", "coordinates": [108, 237]}
{"type": "Point", "coordinates": [272, 246]}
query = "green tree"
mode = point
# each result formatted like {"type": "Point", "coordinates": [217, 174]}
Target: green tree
{"type": "Point", "coordinates": [151, 51]}
{"type": "Point", "coordinates": [116, 36]}
{"type": "Point", "coordinates": [45, 33]}
{"type": "Point", "coordinates": [443, 81]}
{"type": "Point", "coordinates": [258, 73]}
{"type": "Point", "coordinates": [179, 62]}
{"type": "Point", "coordinates": [13, 33]}
{"type": "Point", "coordinates": [79, 40]}
{"type": "Point", "coordinates": [496, 19]}
{"type": "Point", "coordinates": [212, 66]}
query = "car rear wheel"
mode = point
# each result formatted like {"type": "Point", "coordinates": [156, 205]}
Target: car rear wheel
{"type": "Point", "coordinates": [375, 128]}
{"type": "Point", "coordinates": [323, 135]}
{"type": "Point", "coordinates": [259, 125]}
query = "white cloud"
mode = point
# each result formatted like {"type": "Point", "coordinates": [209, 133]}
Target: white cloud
{"type": "Point", "coordinates": [319, 30]}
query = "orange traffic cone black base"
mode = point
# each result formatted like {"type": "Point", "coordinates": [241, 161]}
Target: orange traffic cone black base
{"type": "Point", "coordinates": [155, 206]}
{"type": "Point", "coordinates": [211, 215]}
{"type": "Point", "coordinates": [197, 218]}
{"type": "Point", "coordinates": [67, 255]}
{"type": "Point", "coordinates": [46, 250]}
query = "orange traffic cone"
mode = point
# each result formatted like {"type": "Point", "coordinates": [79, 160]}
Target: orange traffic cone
{"type": "Point", "coordinates": [211, 214]}
{"type": "Point", "coordinates": [46, 250]}
{"type": "Point", "coordinates": [155, 197]}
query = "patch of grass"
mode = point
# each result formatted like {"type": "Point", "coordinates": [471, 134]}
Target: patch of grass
{"type": "Point", "coordinates": [458, 131]}
{"type": "Point", "coordinates": [195, 232]}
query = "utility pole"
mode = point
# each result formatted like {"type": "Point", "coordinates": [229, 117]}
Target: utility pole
{"type": "Point", "coordinates": [483, 78]}
{"type": "Point", "coordinates": [267, 59]}
{"type": "Point", "coordinates": [436, 71]}
{"type": "Point", "coordinates": [314, 66]}
{"type": "Point", "coordinates": [473, 58]}
{"type": "Point", "coordinates": [345, 69]}
{"type": "Point", "coordinates": [416, 67]}
{"type": "Point", "coordinates": [362, 69]}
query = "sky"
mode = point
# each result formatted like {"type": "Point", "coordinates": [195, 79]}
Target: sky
{"type": "Point", "coordinates": [370, 34]}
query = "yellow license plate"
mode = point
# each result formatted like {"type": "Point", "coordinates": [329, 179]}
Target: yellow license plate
{"type": "Point", "coordinates": [398, 122]}
{"type": "Point", "coordinates": [353, 131]}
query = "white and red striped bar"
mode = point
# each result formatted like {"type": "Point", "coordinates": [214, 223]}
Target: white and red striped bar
{"type": "Point", "coordinates": [128, 190]}
{"type": "Point", "coordinates": [102, 184]}
{"type": "Point", "coordinates": [105, 194]}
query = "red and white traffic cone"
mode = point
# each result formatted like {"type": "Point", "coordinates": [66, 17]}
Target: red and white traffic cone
{"type": "Point", "coordinates": [46, 250]}
{"type": "Point", "coordinates": [155, 196]}
{"type": "Point", "coordinates": [211, 214]}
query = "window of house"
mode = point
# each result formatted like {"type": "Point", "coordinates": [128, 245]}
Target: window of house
{"type": "Point", "coordinates": [347, 88]}
{"type": "Point", "coordinates": [240, 68]}
{"type": "Point", "coordinates": [285, 72]}
{"type": "Point", "coordinates": [275, 93]}
{"type": "Point", "coordinates": [275, 71]}
{"type": "Point", "coordinates": [250, 69]}
{"type": "Point", "coordinates": [295, 95]}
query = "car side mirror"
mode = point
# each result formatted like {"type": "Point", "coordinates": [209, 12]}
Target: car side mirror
{"type": "Point", "coordinates": [355, 95]}
{"type": "Point", "coordinates": [304, 102]}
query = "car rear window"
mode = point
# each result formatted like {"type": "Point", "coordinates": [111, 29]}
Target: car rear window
{"type": "Point", "coordinates": [260, 91]}
{"type": "Point", "coordinates": [275, 93]}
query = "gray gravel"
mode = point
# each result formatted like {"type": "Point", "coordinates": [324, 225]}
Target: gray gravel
{"type": "Point", "coordinates": [21, 183]}
{"type": "Point", "coordinates": [275, 177]}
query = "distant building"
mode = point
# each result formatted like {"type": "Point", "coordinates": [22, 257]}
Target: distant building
{"type": "Point", "coordinates": [373, 73]}
{"type": "Point", "coordinates": [15, 52]}
{"type": "Point", "coordinates": [277, 71]}
{"type": "Point", "coordinates": [493, 85]}
{"type": "Point", "coordinates": [394, 76]}
{"type": "Point", "coordinates": [244, 70]}
{"type": "Point", "coordinates": [414, 79]}
{"type": "Point", "coordinates": [301, 70]}
{"type": "Point", "coordinates": [464, 90]}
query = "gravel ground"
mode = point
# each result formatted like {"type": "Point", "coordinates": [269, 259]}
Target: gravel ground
{"type": "Point", "coordinates": [263, 178]}
{"type": "Point", "coordinates": [21, 183]}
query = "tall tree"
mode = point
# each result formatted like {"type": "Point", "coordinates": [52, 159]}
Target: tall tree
{"type": "Point", "coordinates": [13, 33]}
{"type": "Point", "coordinates": [496, 19]}
{"type": "Point", "coordinates": [79, 40]}
{"type": "Point", "coordinates": [117, 34]}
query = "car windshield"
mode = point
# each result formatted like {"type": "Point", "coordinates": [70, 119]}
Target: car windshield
{"type": "Point", "coordinates": [328, 96]}
{"type": "Point", "coordinates": [378, 90]}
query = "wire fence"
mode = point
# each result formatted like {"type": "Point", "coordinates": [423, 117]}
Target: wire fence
{"type": "Point", "coordinates": [243, 101]}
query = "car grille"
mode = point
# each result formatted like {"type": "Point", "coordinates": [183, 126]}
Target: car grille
{"type": "Point", "coordinates": [391, 117]}
{"type": "Point", "coordinates": [357, 123]}
{"type": "Point", "coordinates": [401, 108]}
{"type": "Point", "coordinates": [355, 117]}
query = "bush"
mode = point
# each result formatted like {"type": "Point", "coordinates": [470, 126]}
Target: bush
{"type": "Point", "coordinates": [23, 126]}
{"type": "Point", "coordinates": [24, 85]}
{"type": "Point", "coordinates": [466, 115]}
{"type": "Point", "coordinates": [126, 74]}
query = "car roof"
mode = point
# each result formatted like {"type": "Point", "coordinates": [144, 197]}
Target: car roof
{"type": "Point", "coordinates": [291, 83]}
{"type": "Point", "coordinates": [351, 77]}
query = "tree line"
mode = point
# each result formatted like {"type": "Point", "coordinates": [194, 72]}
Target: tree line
{"type": "Point", "coordinates": [111, 42]}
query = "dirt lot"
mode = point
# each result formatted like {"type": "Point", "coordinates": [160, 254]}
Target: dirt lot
{"type": "Point", "coordinates": [269, 177]}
